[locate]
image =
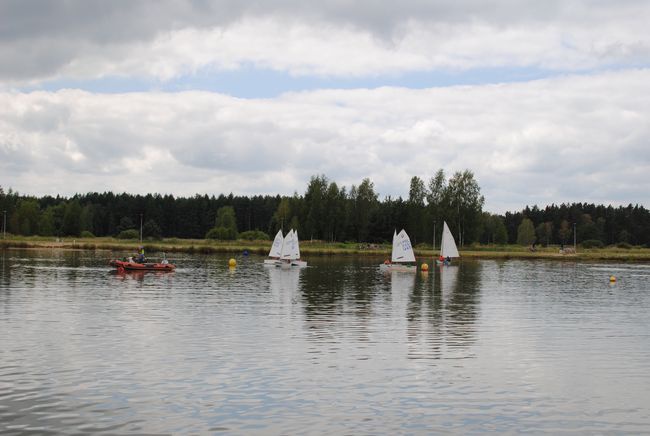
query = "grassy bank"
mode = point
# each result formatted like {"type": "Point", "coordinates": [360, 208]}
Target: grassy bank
{"type": "Point", "coordinates": [308, 248]}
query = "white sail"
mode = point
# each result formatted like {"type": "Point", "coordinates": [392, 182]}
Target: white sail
{"type": "Point", "coordinates": [448, 245]}
{"type": "Point", "coordinates": [296, 247]}
{"type": "Point", "coordinates": [287, 246]}
{"type": "Point", "coordinates": [276, 248]}
{"type": "Point", "coordinates": [402, 249]}
{"type": "Point", "coordinates": [296, 253]}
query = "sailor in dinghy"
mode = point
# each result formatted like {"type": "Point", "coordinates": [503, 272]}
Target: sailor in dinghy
{"type": "Point", "coordinates": [448, 249]}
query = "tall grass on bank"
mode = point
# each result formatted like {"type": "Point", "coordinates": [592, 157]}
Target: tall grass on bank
{"type": "Point", "coordinates": [202, 246]}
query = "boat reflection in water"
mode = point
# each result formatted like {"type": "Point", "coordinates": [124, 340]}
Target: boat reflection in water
{"type": "Point", "coordinates": [139, 275]}
{"type": "Point", "coordinates": [284, 284]}
{"type": "Point", "coordinates": [442, 312]}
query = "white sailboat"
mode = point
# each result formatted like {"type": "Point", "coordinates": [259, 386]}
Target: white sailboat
{"type": "Point", "coordinates": [448, 249]}
{"type": "Point", "coordinates": [402, 252]}
{"type": "Point", "coordinates": [291, 251]}
{"type": "Point", "coordinates": [296, 252]}
{"type": "Point", "coordinates": [276, 250]}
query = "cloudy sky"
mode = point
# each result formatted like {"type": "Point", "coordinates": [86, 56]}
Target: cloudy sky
{"type": "Point", "coordinates": [545, 101]}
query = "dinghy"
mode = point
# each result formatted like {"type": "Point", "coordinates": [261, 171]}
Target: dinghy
{"type": "Point", "coordinates": [276, 250]}
{"type": "Point", "coordinates": [448, 249]}
{"type": "Point", "coordinates": [135, 266]}
{"type": "Point", "coordinates": [402, 253]}
{"type": "Point", "coordinates": [291, 251]}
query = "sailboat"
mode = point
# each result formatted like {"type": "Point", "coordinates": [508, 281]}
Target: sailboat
{"type": "Point", "coordinates": [290, 255]}
{"type": "Point", "coordinates": [276, 250]}
{"type": "Point", "coordinates": [296, 252]}
{"type": "Point", "coordinates": [448, 249]}
{"type": "Point", "coordinates": [402, 252]}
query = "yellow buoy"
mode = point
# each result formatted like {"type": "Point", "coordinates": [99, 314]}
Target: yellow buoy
{"type": "Point", "coordinates": [424, 267]}
{"type": "Point", "coordinates": [232, 263]}
{"type": "Point", "coordinates": [612, 279]}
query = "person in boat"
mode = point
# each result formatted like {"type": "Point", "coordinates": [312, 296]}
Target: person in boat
{"type": "Point", "coordinates": [448, 260]}
{"type": "Point", "coordinates": [140, 256]}
{"type": "Point", "coordinates": [164, 261]}
{"type": "Point", "coordinates": [441, 259]}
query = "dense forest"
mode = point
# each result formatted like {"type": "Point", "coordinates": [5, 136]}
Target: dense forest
{"type": "Point", "coordinates": [328, 212]}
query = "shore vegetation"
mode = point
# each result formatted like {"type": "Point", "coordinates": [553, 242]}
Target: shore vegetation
{"type": "Point", "coordinates": [323, 248]}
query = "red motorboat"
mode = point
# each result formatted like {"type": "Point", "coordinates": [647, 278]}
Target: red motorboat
{"type": "Point", "coordinates": [135, 266]}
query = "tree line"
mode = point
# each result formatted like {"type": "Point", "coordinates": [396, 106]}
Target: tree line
{"type": "Point", "coordinates": [327, 212]}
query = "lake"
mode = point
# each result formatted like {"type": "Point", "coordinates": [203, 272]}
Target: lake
{"type": "Point", "coordinates": [335, 348]}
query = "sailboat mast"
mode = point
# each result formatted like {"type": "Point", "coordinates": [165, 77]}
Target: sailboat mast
{"type": "Point", "coordinates": [434, 237]}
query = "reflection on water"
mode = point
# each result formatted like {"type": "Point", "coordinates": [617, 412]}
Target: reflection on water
{"type": "Point", "coordinates": [338, 347]}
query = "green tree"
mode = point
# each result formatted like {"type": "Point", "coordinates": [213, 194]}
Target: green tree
{"type": "Point", "coordinates": [314, 202]}
{"type": "Point", "coordinates": [500, 231]}
{"type": "Point", "coordinates": [225, 225]}
{"type": "Point", "coordinates": [564, 231]}
{"type": "Point", "coordinates": [72, 219]}
{"type": "Point", "coordinates": [624, 236]}
{"type": "Point", "coordinates": [466, 204]}
{"type": "Point", "coordinates": [26, 218]}
{"type": "Point", "coordinates": [416, 211]}
{"type": "Point", "coordinates": [294, 223]}
{"type": "Point", "coordinates": [282, 214]}
{"type": "Point", "coordinates": [525, 232]}
{"type": "Point", "coordinates": [588, 230]}
{"type": "Point", "coordinates": [544, 232]}
{"type": "Point", "coordinates": [365, 204]}
{"type": "Point", "coordinates": [46, 223]}
{"type": "Point", "coordinates": [150, 229]}
{"type": "Point", "coordinates": [494, 229]}
{"type": "Point", "coordinates": [334, 214]}
{"type": "Point", "coordinates": [128, 234]}
{"type": "Point", "coordinates": [436, 195]}
{"type": "Point", "coordinates": [86, 219]}
{"type": "Point", "coordinates": [126, 223]}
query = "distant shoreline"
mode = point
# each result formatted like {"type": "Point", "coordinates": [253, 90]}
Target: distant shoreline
{"type": "Point", "coordinates": [317, 248]}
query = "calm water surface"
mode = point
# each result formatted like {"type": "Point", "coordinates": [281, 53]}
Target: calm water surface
{"type": "Point", "coordinates": [336, 348]}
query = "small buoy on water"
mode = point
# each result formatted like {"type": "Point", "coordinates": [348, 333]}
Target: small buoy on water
{"type": "Point", "coordinates": [232, 263]}
{"type": "Point", "coordinates": [424, 267]}
{"type": "Point", "coordinates": [612, 279]}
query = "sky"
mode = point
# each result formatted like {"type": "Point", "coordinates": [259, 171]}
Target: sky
{"type": "Point", "coordinates": [546, 102]}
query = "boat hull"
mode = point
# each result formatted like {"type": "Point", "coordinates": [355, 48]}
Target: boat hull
{"type": "Point", "coordinates": [299, 263]}
{"type": "Point", "coordinates": [292, 263]}
{"type": "Point", "coordinates": [388, 267]}
{"type": "Point", "coordinates": [134, 266]}
{"type": "Point", "coordinates": [272, 262]}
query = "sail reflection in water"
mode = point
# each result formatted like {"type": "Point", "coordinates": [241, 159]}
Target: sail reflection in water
{"type": "Point", "coordinates": [284, 284]}
{"type": "Point", "coordinates": [441, 319]}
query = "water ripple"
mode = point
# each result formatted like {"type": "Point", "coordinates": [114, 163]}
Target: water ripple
{"type": "Point", "coordinates": [499, 346]}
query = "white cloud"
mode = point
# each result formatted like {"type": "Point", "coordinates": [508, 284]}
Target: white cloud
{"type": "Point", "coordinates": [166, 40]}
{"type": "Point", "coordinates": [575, 138]}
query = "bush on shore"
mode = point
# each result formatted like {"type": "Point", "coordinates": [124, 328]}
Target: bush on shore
{"type": "Point", "coordinates": [254, 235]}
{"type": "Point", "coordinates": [128, 234]}
{"type": "Point", "coordinates": [592, 243]}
